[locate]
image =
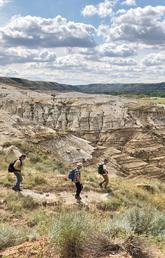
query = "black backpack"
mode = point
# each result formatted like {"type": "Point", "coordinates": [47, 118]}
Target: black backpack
{"type": "Point", "coordinates": [100, 169]}
{"type": "Point", "coordinates": [11, 168]}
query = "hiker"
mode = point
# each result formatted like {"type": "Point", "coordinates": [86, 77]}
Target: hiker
{"type": "Point", "coordinates": [75, 176]}
{"type": "Point", "coordinates": [18, 164]}
{"type": "Point", "coordinates": [102, 170]}
{"type": "Point", "coordinates": [77, 181]}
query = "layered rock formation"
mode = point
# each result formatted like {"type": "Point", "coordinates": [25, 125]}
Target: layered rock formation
{"type": "Point", "coordinates": [59, 121]}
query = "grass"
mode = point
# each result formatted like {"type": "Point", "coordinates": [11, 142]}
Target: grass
{"type": "Point", "coordinates": [139, 221]}
{"type": "Point", "coordinates": [10, 235]}
{"type": "Point", "coordinates": [112, 204]}
{"type": "Point", "coordinates": [70, 232]}
{"type": "Point", "coordinates": [118, 217]}
{"type": "Point", "coordinates": [16, 202]}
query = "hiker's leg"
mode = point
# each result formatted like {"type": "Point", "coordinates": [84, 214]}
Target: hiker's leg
{"type": "Point", "coordinates": [18, 179]}
{"type": "Point", "coordinates": [106, 178]}
{"type": "Point", "coordinates": [78, 189]}
{"type": "Point", "coordinates": [101, 184]}
{"type": "Point", "coordinates": [81, 188]}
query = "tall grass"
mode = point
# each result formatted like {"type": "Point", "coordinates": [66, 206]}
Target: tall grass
{"type": "Point", "coordinates": [141, 221]}
{"type": "Point", "coordinates": [16, 202]}
{"type": "Point", "coordinates": [70, 232]}
{"type": "Point", "coordinates": [10, 235]}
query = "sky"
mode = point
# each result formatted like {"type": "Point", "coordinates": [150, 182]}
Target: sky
{"type": "Point", "coordinates": [83, 41]}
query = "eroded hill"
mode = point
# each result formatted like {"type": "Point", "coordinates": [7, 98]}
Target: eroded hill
{"type": "Point", "coordinates": [75, 125]}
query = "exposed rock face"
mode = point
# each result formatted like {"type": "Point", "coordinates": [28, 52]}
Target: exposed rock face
{"type": "Point", "coordinates": [78, 112]}
{"type": "Point", "coordinates": [136, 133]}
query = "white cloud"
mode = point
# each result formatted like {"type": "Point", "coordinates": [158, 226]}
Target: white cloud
{"type": "Point", "coordinates": [131, 46]}
{"type": "Point", "coordinates": [22, 55]}
{"type": "Point", "coordinates": [102, 9]}
{"type": "Point", "coordinates": [3, 2]}
{"type": "Point", "coordinates": [154, 59]}
{"type": "Point", "coordinates": [144, 25]}
{"type": "Point", "coordinates": [31, 31]}
{"type": "Point", "coordinates": [89, 10]}
{"type": "Point", "coordinates": [113, 50]}
{"type": "Point", "coordinates": [126, 62]}
{"type": "Point", "coordinates": [130, 2]}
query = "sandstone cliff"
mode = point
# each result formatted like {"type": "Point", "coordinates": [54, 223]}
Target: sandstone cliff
{"type": "Point", "coordinates": [69, 124]}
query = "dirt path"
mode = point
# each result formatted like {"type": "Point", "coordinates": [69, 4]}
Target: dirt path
{"type": "Point", "coordinates": [66, 197]}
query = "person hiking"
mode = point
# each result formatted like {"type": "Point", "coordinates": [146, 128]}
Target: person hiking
{"type": "Point", "coordinates": [18, 164]}
{"type": "Point", "coordinates": [77, 181]}
{"type": "Point", "coordinates": [75, 176]}
{"type": "Point", "coordinates": [102, 170]}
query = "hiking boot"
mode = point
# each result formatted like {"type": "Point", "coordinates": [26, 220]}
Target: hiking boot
{"type": "Point", "coordinates": [101, 186]}
{"type": "Point", "coordinates": [78, 197]}
{"type": "Point", "coordinates": [15, 189]}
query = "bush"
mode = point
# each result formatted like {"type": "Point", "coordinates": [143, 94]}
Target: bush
{"type": "Point", "coordinates": [28, 203]}
{"type": "Point", "coordinates": [70, 232]}
{"type": "Point", "coordinates": [147, 221]}
{"type": "Point", "coordinates": [110, 205]}
{"type": "Point", "coordinates": [34, 158]}
{"type": "Point", "coordinates": [100, 245]}
{"type": "Point", "coordinates": [13, 202]}
{"type": "Point", "coordinates": [135, 247]}
{"type": "Point", "coordinates": [60, 168]}
{"type": "Point", "coordinates": [35, 180]}
{"type": "Point", "coordinates": [38, 180]}
{"type": "Point", "coordinates": [40, 220]}
{"type": "Point", "coordinates": [16, 202]}
{"type": "Point", "coordinates": [10, 236]}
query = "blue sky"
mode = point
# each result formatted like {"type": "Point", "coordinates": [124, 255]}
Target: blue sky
{"type": "Point", "coordinates": [83, 41]}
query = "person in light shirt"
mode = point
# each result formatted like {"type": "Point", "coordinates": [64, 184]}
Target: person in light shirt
{"type": "Point", "coordinates": [104, 174]}
{"type": "Point", "coordinates": [17, 172]}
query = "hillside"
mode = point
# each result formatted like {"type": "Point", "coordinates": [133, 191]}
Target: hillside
{"type": "Point", "coordinates": [58, 130]}
{"type": "Point", "coordinates": [141, 88]}
{"type": "Point", "coordinates": [133, 88]}
{"type": "Point", "coordinates": [36, 85]}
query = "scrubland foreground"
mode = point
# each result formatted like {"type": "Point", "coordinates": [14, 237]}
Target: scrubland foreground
{"type": "Point", "coordinates": [55, 128]}
{"type": "Point", "coordinates": [44, 220]}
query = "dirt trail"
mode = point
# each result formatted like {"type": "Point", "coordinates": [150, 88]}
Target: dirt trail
{"type": "Point", "coordinates": [66, 197]}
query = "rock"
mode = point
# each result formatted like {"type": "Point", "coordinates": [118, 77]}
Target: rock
{"type": "Point", "coordinates": [74, 126]}
{"type": "Point", "coordinates": [13, 151]}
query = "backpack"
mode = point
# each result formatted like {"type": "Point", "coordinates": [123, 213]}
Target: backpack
{"type": "Point", "coordinates": [71, 174]}
{"type": "Point", "coordinates": [100, 169]}
{"type": "Point", "coordinates": [11, 168]}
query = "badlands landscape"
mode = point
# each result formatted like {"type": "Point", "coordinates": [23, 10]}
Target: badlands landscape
{"type": "Point", "coordinates": [56, 126]}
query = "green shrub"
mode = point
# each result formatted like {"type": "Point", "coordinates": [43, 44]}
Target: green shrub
{"type": "Point", "coordinates": [13, 202]}
{"type": "Point", "coordinates": [60, 168]}
{"type": "Point", "coordinates": [40, 220]}
{"type": "Point", "coordinates": [140, 220]}
{"type": "Point", "coordinates": [35, 180]}
{"type": "Point", "coordinates": [69, 232]}
{"type": "Point", "coordinates": [147, 221]}
{"type": "Point", "coordinates": [28, 203]}
{"type": "Point", "coordinates": [110, 205]}
{"type": "Point", "coordinates": [17, 202]}
{"type": "Point", "coordinates": [34, 158]}
{"type": "Point", "coordinates": [10, 235]}
{"type": "Point", "coordinates": [38, 180]}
